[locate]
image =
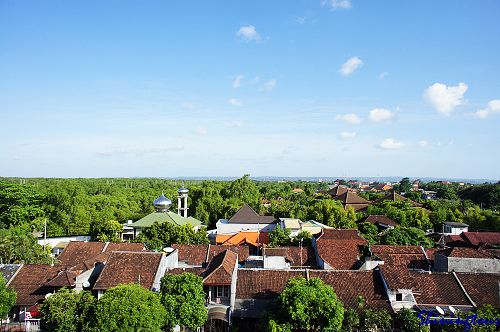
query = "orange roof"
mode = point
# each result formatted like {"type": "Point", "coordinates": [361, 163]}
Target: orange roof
{"type": "Point", "coordinates": [253, 238]}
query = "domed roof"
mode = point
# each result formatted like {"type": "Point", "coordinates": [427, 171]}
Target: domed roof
{"type": "Point", "coordinates": [182, 190]}
{"type": "Point", "coordinates": [162, 203]}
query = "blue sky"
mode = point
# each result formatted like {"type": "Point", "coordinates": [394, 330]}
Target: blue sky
{"type": "Point", "coordinates": [219, 88]}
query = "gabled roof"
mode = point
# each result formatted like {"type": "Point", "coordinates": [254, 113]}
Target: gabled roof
{"type": "Point", "coordinates": [161, 217]}
{"type": "Point", "coordinates": [465, 252]}
{"type": "Point", "coordinates": [202, 254]}
{"type": "Point", "coordinates": [394, 196]}
{"type": "Point", "coordinates": [294, 255]}
{"type": "Point", "coordinates": [349, 285]}
{"type": "Point", "coordinates": [246, 215]}
{"type": "Point", "coordinates": [8, 271]}
{"type": "Point", "coordinates": [483, 288]}
{"type": "Point", "coordinates": [380, 219]}
{"type": "Point", "coordinates": [352, 199]}
{"type": "Point", "coordinates": [29, 282]}
{"type": "Point", "coordinates": [337, 190]}
{"type": "Point", "coordinates": [221, 268]}
{"type": "Point", "coordinates": [436, 289]}
{"type": "Point", "coordinates": [402, 258]}
{"type": "Point", "coordinates": [479, 238]}
{"type": "Point", "coordinates": [341, 249]}
{"type": "Point", "coordinates": [66, 278]}
{"type": "Point", "coordinates": [125, 267]}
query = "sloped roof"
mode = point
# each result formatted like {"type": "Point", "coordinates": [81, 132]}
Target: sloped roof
{"type": "Point", "coordinates": [478, 238]}
{"type": "Point", "coordinates": [243, 251]}
{"type": "Point", "coordinates": [246, 215]}
{"type": "Point", "coordinates": [349, 285]}
{"type": "Point", "coordinates": [293, 255]}
{"type": "Point", "coordinates": [66, 278]}
{"type": "Point", "coordinates": [8, 271]}
{"type": "Point", "coordinates": [201, 254]}
{"type": "Point", "coordinates": [403, 258]}
{"type": "Point", "coordinates": [78, 251]}
{"type": "Point", "coordinates": [436, 289]}
{"type": "Point", "coordinates": [337, 190]}
{"type": "Point", "coordinates": [252, 238]}
{"type": "Point", "coordinates": [483, 288]}
{"type": "Point", "coordinates": [340, 248]}
{"type": "Point", "coordinates": [129, 267]}
{"type": "Point", "coordinates": [376, 219]}
{"type": "Point", "coordinates": [263, 284]}
{"type": "Point", "coordinates": [394, 196]}
{"type": "Point", "coordinates": [220, 270]}
{"type": "Point", "coordinates": [465, 252]}
{"type": "Point", "coordinates": [352, 199]}
{"type": "Point", "coordinates": [29, 283]}
{"type": "Point", "coordinates": [161, 217]}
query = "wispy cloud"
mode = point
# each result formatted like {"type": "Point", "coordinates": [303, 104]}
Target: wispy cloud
{"type": "Point", "coordinates": [347, 135]}
{"type": "Point", "coordinates": [202, 131]}
{"type": "Point", "coordinates": [349, 117]}
{"type": "Point", "coordinates": [235, 102]}
{"type": "Point", "coordinates": [445, 98]}
{"type": "Point", "coordinates": [237, 81]}
{"type": "Point", "coordinates": [380, 114]}
{"type": "Point", "coordinates": [337, 4]}
{"type": "Point", "coordinates": [383, 75]}
{"type": "Point", "coordinates": [350, 66]}
{"type": "Point", "coordinates": [391, 144]}
{"type": "Point", "coordinates": [248, 33]}
{"type": "Point", "coordinates": [138, 151]}
{"type": "Point", "coordinates": [493, 107]}
{"type": "Point", "coordinates": [270, 85]}
{"type": "Point", "coordinates": [233, 124]}
{"type": "Point", "coordinates": [423, 143]}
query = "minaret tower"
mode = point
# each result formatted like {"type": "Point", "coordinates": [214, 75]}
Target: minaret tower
{"type": "Point", "coordinates": [182, 202]}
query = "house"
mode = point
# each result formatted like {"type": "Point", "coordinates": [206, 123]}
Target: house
{"type": "Point", "coordinates": [382, 222]}
{"type": "Point", "coordinates": [350, 199]}
{"type": "Point", "coordinates": [481, 288]}
{"type": "Point", "coordinates": [246, 220]}
{"type": "Point", "coordinates": [395, 197]}
{"type": "Point", "coordinates": [289, 257]}
{"type": "Point", "coordinates": [297, 225]}
{"type": "Point", "coordinates": [163, 214]}
{"type": "Point", "coordinates": [463, 259]}
{"type": "Point", "coordinates": [454, 228]}
{"type": "Point", "coordinates": [337, 190]}
{"type": "Point", "coordinates": [254, 239]}
{"type": "Point", "coordinates": [199, 255]}
{"type": "Point", "coordinates": [473, 239]}
{"type": "Point", "coordinates": [339, 249]}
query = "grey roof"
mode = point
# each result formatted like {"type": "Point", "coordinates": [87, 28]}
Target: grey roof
{"type": "Point", "coordinates": [455, 224]}
{"type": "Point", "coordinates": [246, 215]}
{"type": "Point", "coordinates": [9, 270]}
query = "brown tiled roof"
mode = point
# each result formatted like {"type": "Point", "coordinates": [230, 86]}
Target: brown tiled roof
{"type": "Point", "coordinates": [478, 238]}
{"type": "Point", "coordinates": [464, 252]}
{"type": "Point", "coordinates": [125, 246]}
{"type": "Point", "coordinates": [352, 199]}
{"type": "Point", "coordinates": [246, 215]}
{"type": "Point", "coordinates": [394, 196]}
{"type": "Point", "coordinates": [436, 289]}
{"type": "Point", "coordinates": [263, 284]}
{"type": "Point", "coordinates": [375, 219]}
{"type": "Point", "coordinates": [220, 270]}
{"type": "Point", "coordinates": [293, 255]}
{"type": "Point", "coordinates": [30, 280]}
{"type": "Point", "coordinates": [129, 267]}
{"type": "Point", "coordinates": [337, 190]}
{"type": "Point", "coordinates": [66, 278]}
{"type": "Point", "coordinates": [243, 251]}
{"type": "Point", "coordinates": [482, 287]}
{"type": "Point", "coordinates": [192, 254]}
{"type": "Point", "coordinates": [349, 285]}
{"type": "Point", "coordinates": [340, 248]}
{"type": "Point", "coordinates": [77, 252]}
{"type": "Point", "coordinates": [401, 257]}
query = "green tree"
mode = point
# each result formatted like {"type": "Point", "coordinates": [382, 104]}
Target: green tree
{"type": "Point", "coordinates": [184, 300]}
{"type": "Point", "coordinates": [405, 185]}
{"type": "Point", "coordinates": [107, 231]}
{"type": "Point", "coordinates": [279, 237]}
{"type": "Point", "coordinates": [309, 305]}
{"type": "Point", "coordinates": [408, 321]}
{"type": "Point", "coordinates": [159, 236]}
{"type": "Point", "coordinates": [19, 246]}
{"type": "Point", "coordinates": [7, 298]}
{"type": "Point", "coordinates": [407, 236]}
{"type": "Point", "coordinates": [67, 311]}
{"type": "Point", "coordinates": [20, 205]}
{"type": "Point", "coordinates": [369, 232]}
{"type": "Point", "coordinates": [332, 213]}
{"type": "Point", "coordinates": [129, 308]}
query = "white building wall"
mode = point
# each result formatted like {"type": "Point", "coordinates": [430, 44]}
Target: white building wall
{"type": "Point", "coordinates": [223, 227]}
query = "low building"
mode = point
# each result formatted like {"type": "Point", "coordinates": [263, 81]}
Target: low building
{"type": "Point", "coordinates": [454, 228]}
{"type": "Point", "coordinates": [339, 249]}
{"type": "Point", "coordinates": [382, 222]}
{"type": "Point", "coordinates": [246, 220]}
{"type": "Point", "coordinates": [463, 259]}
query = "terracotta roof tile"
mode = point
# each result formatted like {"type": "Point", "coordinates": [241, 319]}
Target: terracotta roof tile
{"type": "Point", "coordinates": [293, 255]}
{"type": "Point", "coordinates": [252, 238]}
{"type": "Point", "coordinates": [221, 268]}
{"type": "Point", "coordinates": [340, 248]}
{"type": "Point", "coordinates": [263, 284]}
{"type": "Point", "coordinates": [30, 280]}
{"type": "Point", "coordinates": [129, 267]}
{"type": "Point", "coordinates": [483, 288]}
{"type": "Point", "coordinates": [465, 252]}
{"type": "Point", "coordinates": [436, 289]}
{"type": "Point", "coordinates": [192, 254]}
{"type": "Point", "coordinates": [77, 252]}
{"type": "Point", "coordinates": [243, 251]}
{"type": "Point", "coordinates": [376, 219]}
{"type": "Point", "coordinates": [337, 190]}
{"type": "Point", "coordinates": [353, 200]}
{"type": "Point", "coordinates": [479, 238]}
{"type": "Point", "coordinates": [125, 246]}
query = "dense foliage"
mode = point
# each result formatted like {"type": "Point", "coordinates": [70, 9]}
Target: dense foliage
{"type": "Point", "coordinates": [159, 236]}
{"type": "Point", "coordinates": [67, 311]}
{"type": "Point", "coordinates": [19, 246]}
{"type": "Point", "coordinates": [129, 308]}
{"type": "Point", "coordinates": [7, 298]}
{"type": "Point", "coordinates": [308, 305]}
{"type": "Point", "coordinates": [184, 300]}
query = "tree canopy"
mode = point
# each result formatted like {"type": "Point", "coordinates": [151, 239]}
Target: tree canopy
{"type": "Point", "coordinates": [7, 298]}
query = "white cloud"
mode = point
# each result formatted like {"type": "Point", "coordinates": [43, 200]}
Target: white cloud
{"type": "Point", "coordinates": [233, 124]}
{"type": "Point", "coordinates": [383, 75]}
{"type": "Point", "coordinates": [492, 108]}
{"type": "Point", "coordinates": [347, 135]}
{"type": "Point", "coordinates": [138, 151]}
{"type": "Point", "coordinates": [235, 102]}
{"type": "Point", "coordinates": [350, 66]}
{"type": "Point", "coordinates": [445, 98]}
{"type": "Point", "coordinates": [187, 105]}
{"type": "Point", "coordinates": [350, 117]}
{"type": "Point", "coordinates": [248, 33]}
{"type": "Point", "coordinates": [270, 85]}
{"type": "Point", "coordinates": [423, 143]}
{"type": "Point", "coordinates": [237, 81]}
{"type": "Point", "coordinates": [337, 4]}
{"type": "Point", "coordinates": [391, 144]}
{"type": "Point", "coordinates": [380, 114]}
{"type": "Point", "coordinates": [300, 19]}
{"type": "Point", "coordinates": [202, 131]}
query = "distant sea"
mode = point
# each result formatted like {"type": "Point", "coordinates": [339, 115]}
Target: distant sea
{"type": "Point", "coordinates": [333, 178]}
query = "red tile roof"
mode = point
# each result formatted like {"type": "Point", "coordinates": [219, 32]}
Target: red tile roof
{"type": "Point", "coordinates": [77, 252]}
{"type": "Point", "coordinates": [30, 280]}
{"type": "Point", "coordinates": [125, 246]}
{"type": "Point", "coordinates": [263, 284]}
{"type": "Point", "coordinates": [294, 255]}
{"type": "Point", "coordinates": [401, 257]}
{"type": "Point", "coordinates": [437, 289]}
{"type": "Point", "coordinates": [243, 251]}
{"type": "Point", "coordinates": [380, 219]}
{"type": "Point", "coordinates": [465, 252]}
{"type": "Point", "coordinates": [196, 254]}
{"type": "Point", "coordinates": [349, 285]}
{"type": "Point", "coordinates": [483, 288]}
{"type": "Point", "coordinates": [221, 268]}
{"type": "Point", "coordinates": [129, 267]}
{"type": "Point", "coordinates": [478, 238]}
{"type": "Point", "coordinates": [340, 248]}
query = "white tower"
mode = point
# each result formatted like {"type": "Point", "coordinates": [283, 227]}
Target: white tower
{"type": "Point", "coordinates": [182, 202]}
